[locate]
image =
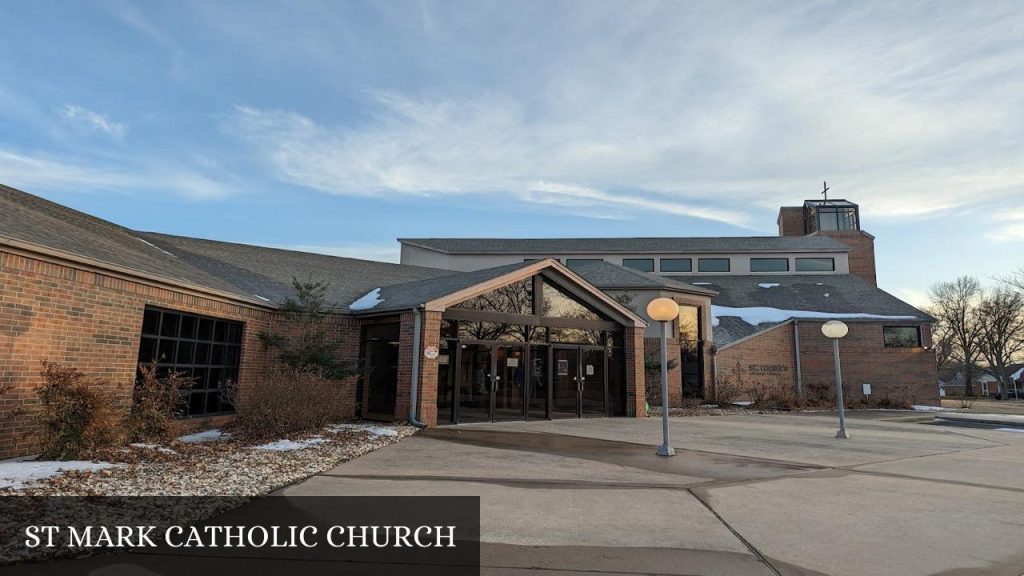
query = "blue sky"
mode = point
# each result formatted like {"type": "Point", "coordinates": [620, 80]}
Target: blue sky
{"type": "Point", "coordinates": [339, 126]}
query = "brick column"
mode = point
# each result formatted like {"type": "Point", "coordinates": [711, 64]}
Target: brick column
{"type": "Point", "coordinates": [652, 347]}
{"type": "Point", "coordinates": [427, 398]}
{"type": "Point", "coordinates": [405, 352]}
{"type": "Point", "coordinates": [633, 358]}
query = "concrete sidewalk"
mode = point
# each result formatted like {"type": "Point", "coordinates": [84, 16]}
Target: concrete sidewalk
{"type": "Point", "coordinates": [745, 495]}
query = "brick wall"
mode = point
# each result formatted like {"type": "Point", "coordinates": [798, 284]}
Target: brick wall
{"type": "Point", "coordinates": [862, 252]}
{"type": "Point", "coordinates": [769, 358]}
{"type": "Point", "coordinates": [93, 321]}
{"type": "Point", "coordinates": [633, 358]}
{"type": "Point", "coordinates": [652, 349]}
{"type": "Point", "coordinates": [791, 221]}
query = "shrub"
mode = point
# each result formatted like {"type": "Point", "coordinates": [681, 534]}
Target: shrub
{"type": "Point", "coordinates": [77, 414]}
{"type": "Point", "coordinates": [727, 390]}
{"type": "Point", "coordinates": [157, 401]}
{"type": "Point", "coordinates": [288, 400]}
{"type": "Point", "coordinates": [966, 402]}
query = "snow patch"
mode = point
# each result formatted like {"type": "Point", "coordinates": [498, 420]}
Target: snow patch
{"type": "Point", "coordinates": [762, 314]}
{"type": "Point", "coordinates": [156, 447]}
{"type": "Point", "coordinates": [1009, 429]}
{"type": "Point", "coordinates": [715, 321]}
{"type": "Point", "coordinates": [701, 283]}
{"type": "Point", "coordinates": [373, 429]}
{"type": "Point", "coordinates": [742, 403]}
{"type": "Point", "coordinates": [215, 435]}
{"type": "Point", "coordinates": [925, 408]}
{"type": "Point", "coordinates": [290, 445]}
{"type": "Point", "coordinates": [769, 285]}
{"type": "Point", "coordinates": [368, 301]}
{"type": "Point", "coordinates": [19, 473]}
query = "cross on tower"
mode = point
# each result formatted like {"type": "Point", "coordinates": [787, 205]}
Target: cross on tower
{"type": "Point", "coordinates": [824, 190]}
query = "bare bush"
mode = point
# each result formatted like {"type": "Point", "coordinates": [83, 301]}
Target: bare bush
{"type": "Point", "coordinates": [727, 390]}
{"type": "Point", "coordinates": [78, 416]}
{"type": "Point", "coordinates": [966, 402]}
{"type": "Point", "coordinates": [286, 401]}
{"type": "Point", "coordinates": [157, 405]}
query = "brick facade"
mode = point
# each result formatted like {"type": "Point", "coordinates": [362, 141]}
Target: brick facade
{"type": "Point", "coordinates": [92, 320]}
{"type": "Point", "coordinates": [791, 221]}
{"type": "Point", "coordinates": [862, 252]}
{"type": "Point", "coordinates": [769, 358]}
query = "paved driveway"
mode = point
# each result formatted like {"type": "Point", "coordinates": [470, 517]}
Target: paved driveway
{"type": "Point", "coordinates": [745, 495]}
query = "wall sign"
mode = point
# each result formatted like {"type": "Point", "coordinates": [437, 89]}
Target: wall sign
{"type": "Point", "coordinates": [430, 352]}
{"type": "Point", "coordinates": [563, 367]}
{"type": "Point", "coordinates": [590, 369]}
{"type": "Point", "coordinates": [767, 368]}
{"type": "Point", "coordinates": [512, 363]}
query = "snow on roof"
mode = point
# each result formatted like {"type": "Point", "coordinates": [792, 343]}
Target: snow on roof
{"type": "Point", "coordinates": [762, 315]}
{"type": "Point", "coordinates": [367, 301]}
{"type": "Point", "coordinates": [769, 284]}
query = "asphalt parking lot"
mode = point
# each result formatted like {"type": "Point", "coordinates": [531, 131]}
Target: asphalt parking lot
{"type": "Point", "coordinates": [759, 494]}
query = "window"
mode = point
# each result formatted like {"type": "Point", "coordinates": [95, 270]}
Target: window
{"type": "Point", "coordinates": [769, 264]}
{"type": "Point", "coordinates": [713, 265]}
{"type": "Point", "coordinates": [641, 264]}
{"type": "Point", "coordinates": [815, 264]}
{"type": "Point", "coordinates": [902, 336]}
{"type": "Point", "coordinates": [559, 304]}
{"type": "Point", "coordinates": [573, 262]}
{"type": "Point", "coordinates": [516, 298]}
{"type": "Point", "coordinates": [676, 265]}
{"type": "Point", "coordinates": [205, 349]}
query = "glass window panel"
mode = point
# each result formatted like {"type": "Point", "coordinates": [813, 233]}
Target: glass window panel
{"type": "Point", "coordinates": [220, 333]}
{"type": "Point", "coordinates": [559, 304]}
{"type": "Point", "coordinates": [573, 262]}
{"type": "Point", "coordinates": [689, 324]}
{"type": "Point", "coordinates": [641, 264]}
{"type": "Point", "coordinates": [676, 265]}
{"type": "Point", "coordinates": [151, 322]}
{"type": "Point", "coordinates": [169, 325]}
{"type": "Point", "coordinates": [576, 336]}
{"type": "Point", "coordinates": [208, 364]}
{"type": "Point", "coordinates": [469, 330]}
{"type": "Point", "coordinates": [148, 350]}
{"type": "Point", "coordinates": [184, 355]}
{"type": "Point", "coordinates": [516, 298]}
{"type": "Point", "coordinates": [902, 336]}
{"type": "Point", "coordinates": [205, 329]}
{"type": "Point", "coordinates": [713, 265]}
{"type": "Point", "coordinates": [165, 355]}
{"type": "Point", "coordinates": [449, 329]}
{"type": "Point", "coordinates": [815, 264]}
{"type": "Point", "coordinates": [769, 264]}
{"type": "Point", "coordinates": [188, 326]}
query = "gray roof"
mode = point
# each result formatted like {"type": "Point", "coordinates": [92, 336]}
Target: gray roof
{"type": "Point", "coordinates": [608, 276]}
{"type": "Point", "coordinates": [827, 293]}
{"type": "Point", "coordinates": [253, 272]}
{"type": "Point", "coordinates": [603, 275]}
{"type": "Point", "coordinates": [411, 294]}
{"type": "Point", "coordinates": [267, 272]}
{"type": "Point", "coordinates": [553, 246]}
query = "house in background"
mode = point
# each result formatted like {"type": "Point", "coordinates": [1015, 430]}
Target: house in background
{"type": "Point", "coordinates": [985, 383]}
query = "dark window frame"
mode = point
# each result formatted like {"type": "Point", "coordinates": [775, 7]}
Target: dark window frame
{"type": "Point", "coordinates": [796, 266]}
{"type": "Point", "coordinates": [728, 265]}
{"type": "Point", "coordinates": [919, 342]}
{"type": "Point", "coordinates": [784, 260]}
{"type": "Point", "coordinates": [689, 265]}
{"type": "Point", "coordinates": [227, 350]}
{"type": "Point", "coordinates": [570, 262]}
{"type": "Point", "coordinates": [626, 262]}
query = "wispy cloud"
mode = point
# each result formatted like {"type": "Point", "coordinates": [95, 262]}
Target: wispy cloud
{"type": "Point", "coordinates": [707, 109]}
{"type": "Point", "coordinates": [1006, 226]}
{"type": "Point", "coordinates": [84, 118]}
{"type": "Point", "coordinates": [34, 172]}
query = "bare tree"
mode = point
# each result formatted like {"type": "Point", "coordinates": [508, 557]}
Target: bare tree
{"type": "Point", "coordinates": [955, 306]}
{"type": "Point", "coordinates": [1001, 315]}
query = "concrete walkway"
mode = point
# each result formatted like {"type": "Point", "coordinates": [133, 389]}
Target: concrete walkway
{"type": "Point", "coordinates": [745, 495]}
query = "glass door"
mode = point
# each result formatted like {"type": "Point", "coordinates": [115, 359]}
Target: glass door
{"type": "Point", "coordinates": [565, 382]}
{"type": "Point", "coordinates": [592, 382]}
{"type": "Point", "coordinates": [509, 383]}
{"type": "Point", "coordinates": [538, 377]}
{"type": "Point", "coordinates": [475, 383]}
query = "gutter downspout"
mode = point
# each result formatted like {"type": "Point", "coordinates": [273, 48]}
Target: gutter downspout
{"type": "Point", "coordinates": [796, 350]}
{"type": "Point", "coordinates": [417, 326]}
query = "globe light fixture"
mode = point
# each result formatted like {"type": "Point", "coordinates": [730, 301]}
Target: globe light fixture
{"type": "Point", "coordinates": [664, 310]}
{"type": "Point", "coordinates": [834, 330]}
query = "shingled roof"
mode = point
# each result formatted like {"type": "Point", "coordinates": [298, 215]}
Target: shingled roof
{"type": "Point", "coordinates": [702, 245]}
{"type": "Point", "coordinates": [822, 296]}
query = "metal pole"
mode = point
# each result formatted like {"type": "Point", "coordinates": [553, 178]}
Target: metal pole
{"type": "Point", "coordinates": [665, 449]}
{"type": "Point", "coordinates": [839, 391]}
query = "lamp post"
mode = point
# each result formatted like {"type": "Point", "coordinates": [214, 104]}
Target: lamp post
{"type": "Point", "coordinates": [664, 310]}
{"type": "Point", "coordinates": [834, 330]}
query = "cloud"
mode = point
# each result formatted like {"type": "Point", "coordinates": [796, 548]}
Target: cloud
{"type": "Point", "coordinates": [710, 112]}
{"type": "Point", "coordinates": [92, 121]}
{"type": "Point", "coordinates": [1006, 226]}
{"type": "Point", "coordinates": [389, 252]}
{"type": "Point", "coordinates": [48, 173]}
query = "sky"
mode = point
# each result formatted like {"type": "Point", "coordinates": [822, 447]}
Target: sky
{"type": "Point", "coordinates": [339, 126]}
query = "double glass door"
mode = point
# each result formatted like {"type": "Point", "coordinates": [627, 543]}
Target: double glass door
{"type": "Point", "coordinates": [579, 385]}
{"type": "Point", "coordinates": [492, 382]}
